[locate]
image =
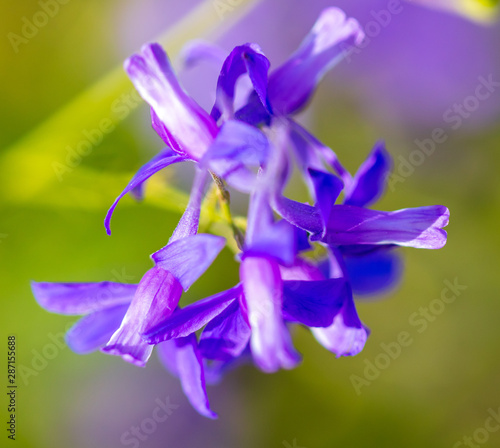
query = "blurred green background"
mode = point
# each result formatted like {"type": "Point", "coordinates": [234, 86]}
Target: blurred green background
{"type": "Point", "coordinates": [441, 387]}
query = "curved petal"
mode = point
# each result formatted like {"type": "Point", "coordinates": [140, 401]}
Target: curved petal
{"type": "Point", "coordinates": [414, 227]}
{"type": "Point", "coordinates": [156, 297]}
{"type": "Point", "coordinates": [190, 319]}
{"type": "Point", "coordinates": [369, 182]}
{"type": "Point", "coordinates": [347, 335]}
{"type": "Point", "coordinates": [189, 222]}
{"type": "Point", "coordinates": [157, 163]}
{"type": "Point", "coordinates": [248, 59]}
{"type": "Point", "coordinates": [81, 298]}
{"type": "Point", "coordinates": [198, 50]}
{"type": "Point", "coordinates": [270, 342]}
{"type": "Point", "coordinates": [293, 83]}
{"type": "Point", "coordinates": [313, 303]}
{"type": "Point", "coordinates": [327, 189]}
{"type": "Point", "coordinates": [226, 336]}
{"type": "Point", "coordinates": [191, 127]}
{"type": "Point", "coordinates": [188, 258]}
{"type": "Point", "coordinates": [93, 331]}
{"type": "Point", "coordinates": [182, 357]}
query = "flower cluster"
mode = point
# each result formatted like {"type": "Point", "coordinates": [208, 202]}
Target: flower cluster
{"type": "Point", "coordinates": [302, 268]}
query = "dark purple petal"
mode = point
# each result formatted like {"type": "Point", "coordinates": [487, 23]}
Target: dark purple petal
{"type": "Point", "coordinates": [414, 227]}
{"type": "Point", "coordinates": [313, 303]}
{"type": "Point", "coordinates": [226, 336]}
{"type": "Point", "coordinates": [187, 320]}
{"type": "Point", "coordinates": [248, 59]}
{"type": "Point", "coordinates": [188, 224]}
{"type": "Point", "coordinates": [347, 335]}
{"type": "Point", "coordinates": [92, 332]}
{"type": "Point", "coordinates": [157, 163]}
{"type": "Point", "coordinates": [304, 216]}
{"type": "Point", "coordinates": [327, 189]}
{"type": "Point", "coordinates": [369, 182]}
{"type": "Point", "coordinates": [188, 258]}
{"type": "Point", "coordinates": [187, 123]}
{"type": "Point", "coordinates": [81, 298]}
{"type": "Point", "coordinates": [156, 297]}
{"type": "Point", "coordinates": [263, 291]}
{"type": "Point", "coordinates": [375, 272]}
{"type": "Point", "coordinates": [293, 83]}
{"type": "Point", "coordinates": [182, 357]}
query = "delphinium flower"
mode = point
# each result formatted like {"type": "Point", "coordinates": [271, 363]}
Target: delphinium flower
{"type": "Point", "coordinates": [253, 147]}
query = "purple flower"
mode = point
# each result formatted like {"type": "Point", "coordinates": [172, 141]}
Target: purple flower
{"type": "Point", "coordinates": [117, 314]}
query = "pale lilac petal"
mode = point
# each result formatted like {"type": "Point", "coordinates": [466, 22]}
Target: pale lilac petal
{"type": "Point", "coordinates": [270, 342]}
{"type": "Point", "coordinates": [190, 319]}
{"type": "Point", "coordinates": [293, 83]}
{"type": "Point", "coordinates": [162, 160]}
{"type": "Point", "coordinates": [182, 357]}
{"type": "Point", "coordinates": [226, 336]}
{"type": "Point", "coordinates": [156, 297]}
{"type": "Point", "coordinates": [414, 227]}
{"type": "Point", "coordinates": [81, 298]}
{"type": "Point", "coordinates": [236, 148]}
{"type": "Point", "coordinates": [188, 224]}
{"type": "Point", "coordinates": [92, 332]}
{"type": "Point", "coordinates": [191, 127]}
{"type": "Point", "coordinates": [346, 336]}
{"type": "Point", "coordinates": [370, 180]}
{"type": "Point", "coordinates": [197, 51]}
{"type": "Point", "coordinates": [188, 258]}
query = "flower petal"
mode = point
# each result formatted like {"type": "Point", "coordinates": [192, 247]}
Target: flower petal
{"type": "Point", "coordinates": [226, 336]}
{"type": "Point", "coordinates": [188, 224]}
{"type": "Point", "coordinates": [188, 258]}
{"type": "Point", "coordinates": [263, 290]}
{"type": "Point", "coordinates": [369, 182]}
{"type": "Point", "coordinates": [327, 189]}
{"type": "Point", "coordinates": [191, 127]}
{"type": "Point", "coordinates": [187, 320]}
{"type": "Point", "coordinates": [92, 332]}
{"type": "Point", "coordinates": [81, 298]}
{"type": "Point", "coordinates": [374, 272]}
{"type": "Point", "coordinates": [293, 83]}
{"type": "Point", "coordinates": [313, 303]}
{"type": "Point", "coordinates": [157, 163]}
{"type": "Point", "coordinates": [156, 297]}
{"type": "Point", "coordinates": [347, 335]}
{"type": "Point", "coordinates": [237, 147]}
{"type": "Point", "coordinates": [182, 357]}
{"type": "Point", "coordinates": [414, 227]}
{"type": "Point", "coordinates": [248, 59]}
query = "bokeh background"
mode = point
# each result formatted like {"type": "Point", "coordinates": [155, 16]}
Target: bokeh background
{"type": "Point", "coordinates": [440, 388]}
